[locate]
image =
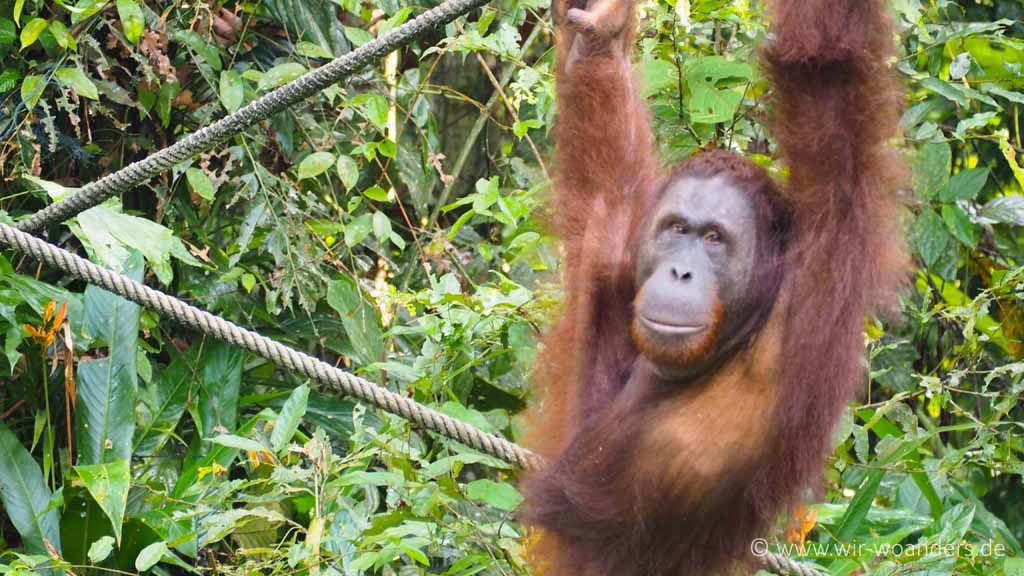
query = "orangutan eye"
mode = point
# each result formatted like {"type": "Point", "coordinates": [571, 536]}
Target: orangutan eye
{"type": "Point", "coordinates": [713, 237]}
{"type": "Point", "coordinates": [679, 228]}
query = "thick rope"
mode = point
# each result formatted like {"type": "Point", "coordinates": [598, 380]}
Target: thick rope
{"type": "Point", "coordinates": [781, 564]}
{"type": "Point", "coordinates": [206, 138]}
{"type": "Point", "coordinates": [318, 370]}
{"type": "Point", "coordinates": [276, 352]}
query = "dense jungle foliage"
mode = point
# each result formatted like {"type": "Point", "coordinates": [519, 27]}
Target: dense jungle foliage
{"type": "Point", "coordinates": [395, 225]}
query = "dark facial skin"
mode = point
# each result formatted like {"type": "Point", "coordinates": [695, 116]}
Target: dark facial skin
{"type": "Point", "coordinates": [696, 262]}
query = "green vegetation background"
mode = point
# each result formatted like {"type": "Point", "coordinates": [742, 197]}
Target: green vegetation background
{"type": "Point", "coordinates": [395, 225]}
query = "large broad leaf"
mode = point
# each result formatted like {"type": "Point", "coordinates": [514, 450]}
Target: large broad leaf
{"type": "Point", "coordinates": [109, 235]}
{"type": "Point", "coordinates": [311, 20]}
{"type": "Point", "coordinates": [166, 399]}
{"type": "Point", "coordinates": [931, 169]}
{"type": "Point", "coordinates": [25, 496]}
{"type": "Point", "coordinates": [106, 386]}
{"type": "Point", "coordinates": [108, 484]}
{"type": "Point", "coordinates": [360, 320]}
{"type": "Point", "coordinates": [217, 410]}
{"type": "Point", "coordinates": [965, 185]}
{"type": "Point", "coordinates": [716, 89]}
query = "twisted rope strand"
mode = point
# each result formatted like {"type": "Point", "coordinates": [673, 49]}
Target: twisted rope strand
{"type": "Point", "coordinates": [276, 352]}
{"type": "Point", "coordinates": [209, 136]}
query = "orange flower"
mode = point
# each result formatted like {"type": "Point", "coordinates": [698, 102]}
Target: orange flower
{"type": "Point", "coordinates": [800, 525]}
{"type": "Point", "coordinates": [51, 323]}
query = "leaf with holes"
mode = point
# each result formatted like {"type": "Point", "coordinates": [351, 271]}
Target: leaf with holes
{"type": "Point", "coordinates": [716, 89]}
{"type": "Point", "coordinates": [76, 79]}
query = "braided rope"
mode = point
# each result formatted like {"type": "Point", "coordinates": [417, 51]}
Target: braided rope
{"type": "Point", "coordinates": [276, 352]}
{"type": "Point", "coordinates": [209, 136]}
{"type": "Point", "coordinates": [322, 372]}
{"type": "Point", "coordinates": [781, 564]}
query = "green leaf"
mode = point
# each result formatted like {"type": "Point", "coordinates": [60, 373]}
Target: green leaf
{"type": "Point", "coordinates": [218, 393]}
{"type": "Point", "coordinates": [166, 398]}
{"type": "Point", "coordinates": [200, 183]}
{"type": "Point", "coordinates": [965, 185]}
{"type": "Point", "coordinates": [659, 75]}
{"type": "Point", "coordinates": [1005, 210]}
{"type": "Point", "coordinates": [30, 33]}
{"type": "Point", "coordinates": [132, 20]}
{"type": "Point", "coordinates": [288, 420]}
{"type": "Point", "coordinates": [859, 506]}
{"type": "Point", "coordinates": [358, 230]}
{"type": "Point", "coordinates": [357, 36]}
{"type": "Point", "coordinates": [416, 554]}
{"type": "Point", "coordinates": [55, 191]}
{"type": "Point", "coordinates": [959, 225]}
{"type": "Point", "coordinates": [359, 318]}
{"type": "Point", "coordinates": [19, 5]}
{"type": "Point", "coordinates": [931, 169]}
{"type": "Point", "coordinates": [958, 93]}
{"type": "Point", "coordinates": [248, 282]}
{"type": "Point", "coordinates": [8, 32]}
{"type": "Point", "coordinates": [956, 522]}
{"type": "Point", "coordinates": [315, 164]}
{"type": "Point", "coordinates": [101, 549]}
{"type": "Point", "coordinates": [31, 90]}
{"type": "Point", "coordinates": [315, 22]}
{"type": "Point", "coordinates": [714, 96]}
{"type": "Point", "coordinates": [281, 74]}
{"type": "Point", "coordinates": [500, 495]}
{"type": "Point", "coordinates": [387, 148]}
{"type": "Point", "coordinates": [151, 555]}
{"type": "Point", "coordinates": [930, 237]}
{"type": "Point", "coordinates": [232, 90]}
{"type": "Point", "coordinates": [377, 194]}
{"type": "Point", "coordinates": [76, 79]}
{"type": "Point", "coordinates": [198, 44]}
{"type": "Point", "coordinates": [312, 50]}
{"type": "Point", "coordinates": [165, 100]}
{"type": "Point", "coordinates": [381, 227]}
{"type": "Point", "coordinates": [375, 107]}
{"type": "Point", "coordinates": [348, 171]}
{"type": "Point", "coordinates": [108, 234]}
{"type": "Point", "coordinates": [62, 35]}
{"type": "Point", "coordinates": [239, 442]}
{"type": "Point", "coordinates": [521, 128]}
{"type": "Point", "coordinates": [25, 496]}
{"type": "Point", "coordinates": [106, 386]}
{"type": "Point", "coordinates": [9, 79]}
{"type": "Point", "coordinates": [84, 9]}
{"type": "Point", "coordinates": [1013, 566]}
{"type": "Point", "coordinates": [108, 483]}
